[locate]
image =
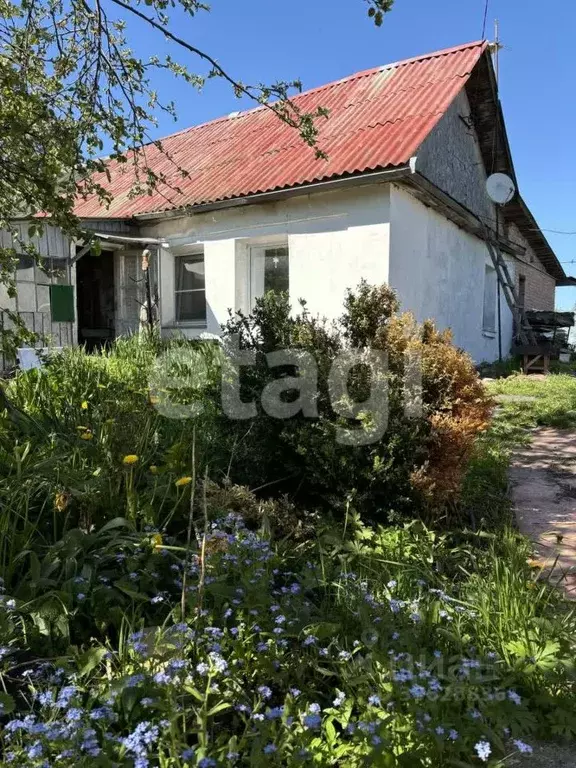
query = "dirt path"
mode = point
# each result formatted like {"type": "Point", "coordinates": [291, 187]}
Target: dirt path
{"type": "Point", "coordinates": [543, 477]}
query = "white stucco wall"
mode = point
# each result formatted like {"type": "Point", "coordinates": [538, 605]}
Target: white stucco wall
{"type": "Point", "coordinates": [377, 232]}
{"type": "Point", "coordinates": [334, 239]}
{"type": "Point", "coordinates": [438, 271]}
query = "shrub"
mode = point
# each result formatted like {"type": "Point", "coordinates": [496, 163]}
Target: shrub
{"type": "Point", "coordinates": [418, 464]}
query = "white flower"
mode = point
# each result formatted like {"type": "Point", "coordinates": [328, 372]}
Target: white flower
{"type": "Point", "coordinates": [483, 750]}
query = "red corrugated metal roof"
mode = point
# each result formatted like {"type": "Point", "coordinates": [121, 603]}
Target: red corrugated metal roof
{"type": "Point", "coordinates": [378, 119]}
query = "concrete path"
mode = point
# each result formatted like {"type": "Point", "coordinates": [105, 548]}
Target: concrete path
{"type": "Point", "coordinates": [543, 477]}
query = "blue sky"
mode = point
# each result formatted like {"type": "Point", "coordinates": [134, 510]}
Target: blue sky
{"type": "Point", "coordinates": [323, 40]}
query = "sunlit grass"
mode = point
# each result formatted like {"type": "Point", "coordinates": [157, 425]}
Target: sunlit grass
{"type": "Point", "coordinates": [554, 404]}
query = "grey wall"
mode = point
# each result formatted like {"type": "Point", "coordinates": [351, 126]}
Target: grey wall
{"type": "Point", "coordinates": [33, 281]}
{"type": "Point", "coordinates": [450, 158]}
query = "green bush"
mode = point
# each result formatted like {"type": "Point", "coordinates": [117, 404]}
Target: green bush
{"type": "Point", "coordinates": [78, 417]}
{"type": "Point", "coordinates": [416, 467]}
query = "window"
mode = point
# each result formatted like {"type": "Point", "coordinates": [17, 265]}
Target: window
{"type": "Point", "coordinates": [25, 268]}
{"type": "Point", "coordinates": [522, 291]}
{"type": "Point", "coordinates": [190, 289]}
{"type": "Point", "coordinates": [490, 297]}
{"type": "Point", "coordinates": [269, 270]}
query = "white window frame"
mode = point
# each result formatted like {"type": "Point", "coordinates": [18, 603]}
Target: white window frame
{"type": "Point", "coordinates": [201, 323]}
{"type": "Point", "coordinates": [489, 301]}
{"type": "Point", "coordinates": [254, 252]}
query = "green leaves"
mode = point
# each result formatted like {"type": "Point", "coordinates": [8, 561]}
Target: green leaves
{"type": "Point", "coordinates": [6, 704]}
{"type": "Point", "coordinates": [377, 10]}
{"type": "Point", "coordinates": [544, 656]}
{"type": "Point", "coordinates": [88, 661]}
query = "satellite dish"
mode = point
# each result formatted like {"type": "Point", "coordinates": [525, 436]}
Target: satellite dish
{"type": "Point", "coordinates": [500, 187]}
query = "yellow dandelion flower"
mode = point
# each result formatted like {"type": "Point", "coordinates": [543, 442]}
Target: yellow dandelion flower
{"type": "Point", "coordinates": [84, 405]}
{"type": "Point", "coordinates": [61, 501]}
{"type": "Point", "coordinates": [130, 459]}
{"type": "Point", "coordinates": [183, 481]}
{"type": "Point", "coordinates": [154, 400]}
{"type": "Point", "coordinates": [535, 563]}
{"type": "Point", "coordinates": [156, 540]}
{"type": "Point", "coordinates": [154, 469]}
{"type": "Point", "coordinates": [87, 436]}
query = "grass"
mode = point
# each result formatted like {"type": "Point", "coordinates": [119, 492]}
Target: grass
{"type": "Point", "coordinates": [554, 403]}
{"type": "Point", "coordinates": [484, 499]}
{"type": "Point", "coordinates": [523, 404]}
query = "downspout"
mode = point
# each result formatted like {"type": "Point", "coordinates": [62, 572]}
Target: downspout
{"type": "Point", "coordinates": [499, 293]}
{"type": "Point", "coordinates": [499, 324]}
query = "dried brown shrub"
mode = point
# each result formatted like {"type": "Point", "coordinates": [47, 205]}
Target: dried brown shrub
{"type": "Point", "coordinates": [457, 407]}
{"type": "Point", "coordinates": [458, 410]}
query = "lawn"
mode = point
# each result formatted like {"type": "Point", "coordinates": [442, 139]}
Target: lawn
{"type": "Point", "coordinates": [549, 401]}
{"type": "Point", "coordinates": [155, 611]}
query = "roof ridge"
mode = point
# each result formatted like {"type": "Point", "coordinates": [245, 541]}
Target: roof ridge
{"type": "Point", "coordinates": [331, 84]}
{"type": "Point", "coordinates": [437, 54]}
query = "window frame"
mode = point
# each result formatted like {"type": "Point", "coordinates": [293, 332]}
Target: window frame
{"type": "Point", "coordinates": [490, 329]}
{"type": "Point", "coordinates": [198, 254]}
{"type": "Point", "coordinates": [260, 248]}
{"type": "Point", "coordinates": [522, 291]}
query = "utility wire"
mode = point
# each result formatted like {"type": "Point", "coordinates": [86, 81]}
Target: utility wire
{"type": "Point", "coordinates": [555, 231]}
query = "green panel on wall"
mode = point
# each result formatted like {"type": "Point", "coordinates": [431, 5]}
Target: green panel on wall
{"type": "Point", "coordinates": [62, 303]}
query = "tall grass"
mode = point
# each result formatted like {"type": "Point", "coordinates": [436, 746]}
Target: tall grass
{"type": "Point", "coordinates": [63, 444]}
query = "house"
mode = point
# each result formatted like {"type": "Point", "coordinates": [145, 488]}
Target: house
{"type": "Point", "coordinates": [400, 199]}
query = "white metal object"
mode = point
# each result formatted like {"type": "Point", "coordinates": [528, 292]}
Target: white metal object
{"type": "Point", "coordinates": [500, 188]}
{"type": "Point", "coordinates": [29, 358]}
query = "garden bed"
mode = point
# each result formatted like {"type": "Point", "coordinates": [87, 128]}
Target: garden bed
{"type": "Point", "coordinates": [157, 612]}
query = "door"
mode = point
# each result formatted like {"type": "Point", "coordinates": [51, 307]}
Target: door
{"type": "Point", "coordinates": [95, 299]}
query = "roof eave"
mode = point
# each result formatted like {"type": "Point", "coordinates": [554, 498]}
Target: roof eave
{"type": "Point", "coordinates": [567, 282]}
{"type": "Point", "coordinates": [383, 175]}
{"type": "Point", "coordinates": [517, 210]}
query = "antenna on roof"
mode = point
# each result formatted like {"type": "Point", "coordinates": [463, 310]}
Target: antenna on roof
{"type": "Point", "coordinates": [495, 49]}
